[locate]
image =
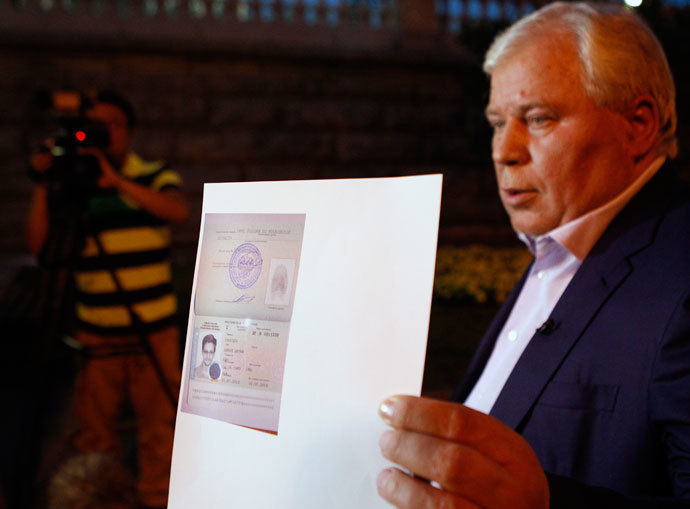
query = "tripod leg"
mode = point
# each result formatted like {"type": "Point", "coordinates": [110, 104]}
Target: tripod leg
{"type": "Point", "coordinates": [155, 415]}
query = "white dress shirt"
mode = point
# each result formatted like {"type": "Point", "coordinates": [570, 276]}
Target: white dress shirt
{"type": "Point", "coordinates": [558, 254]}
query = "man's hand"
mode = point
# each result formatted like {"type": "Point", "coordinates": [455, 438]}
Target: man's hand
{"type": "Point", "coordinates": [168, 205]}
{"type": "Point", "coordinates": [109, 178]}
{"type": "Point", "coordinates": [41, 161]}
{"type": "Point", "coordinates": [475, 460]}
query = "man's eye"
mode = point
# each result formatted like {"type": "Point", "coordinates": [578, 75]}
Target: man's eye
{"type": "Point", "coordinates": [538, 120]}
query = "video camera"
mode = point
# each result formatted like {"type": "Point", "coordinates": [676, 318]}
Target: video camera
{"type": "Point", "coordinates": [76, 172]}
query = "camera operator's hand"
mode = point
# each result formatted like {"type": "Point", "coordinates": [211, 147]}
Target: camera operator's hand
{"type": "Point", "coordinates": [169, 205]}
{"type": "Point", "coordinates": [109, 177]}
{"type": "Point", "coordinates": [41, 161]}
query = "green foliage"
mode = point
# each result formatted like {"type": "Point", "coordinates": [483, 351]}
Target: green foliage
{"type": "Point", "coordinates": [479, 273]}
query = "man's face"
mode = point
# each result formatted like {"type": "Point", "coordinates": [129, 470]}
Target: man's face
{"type": "Point", "coordinates": [556, 154]}
{"type": "Point", "coordinates": [115, 121]}
{"type": "Point", "coordinates": [207, 352]}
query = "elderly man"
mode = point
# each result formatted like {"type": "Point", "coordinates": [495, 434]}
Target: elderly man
{"type": "Point", "coordinates": [585, 372]}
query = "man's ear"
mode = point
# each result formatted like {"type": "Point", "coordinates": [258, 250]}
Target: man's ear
{"type": "Point", "coordinates": [643, 119]}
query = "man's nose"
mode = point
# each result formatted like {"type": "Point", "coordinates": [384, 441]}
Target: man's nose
{"type": "Point", "coordinates": [509, 144]}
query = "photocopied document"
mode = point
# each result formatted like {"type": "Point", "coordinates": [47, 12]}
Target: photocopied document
{"type": "Point", "coordinates": [241, 312]}
{"type": "Point", "coordinates": [310, 304]}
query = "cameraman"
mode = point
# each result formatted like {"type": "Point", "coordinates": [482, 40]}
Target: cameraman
{"type": "Point", "coordinates": [125, 306]}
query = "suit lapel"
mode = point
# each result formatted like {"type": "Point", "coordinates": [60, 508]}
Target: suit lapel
{"type": "Point", "coordinates": [604, 269]}
{"type": "Point", "coordinates": [581, 301]}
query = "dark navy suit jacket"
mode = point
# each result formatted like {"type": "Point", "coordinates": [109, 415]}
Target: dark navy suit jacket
{"type": "Point", "coordinates": [603, 394]}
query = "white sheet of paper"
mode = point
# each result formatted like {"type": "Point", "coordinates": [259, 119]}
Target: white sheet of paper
{"type": "Point", "coordinates": [362, 289]}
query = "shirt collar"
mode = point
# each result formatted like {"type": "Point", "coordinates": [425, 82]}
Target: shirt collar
{"type": "Point", "coordinates": [579, 235]}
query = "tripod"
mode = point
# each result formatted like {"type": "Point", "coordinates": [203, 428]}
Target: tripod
{"type": "Point", "coordinates": [68, 207]}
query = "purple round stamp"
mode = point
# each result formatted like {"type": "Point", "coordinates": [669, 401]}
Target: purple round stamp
{"type": "Point", "coordinates": [214, 371]}
{"type": "Point", "coordinates": [245, 265]}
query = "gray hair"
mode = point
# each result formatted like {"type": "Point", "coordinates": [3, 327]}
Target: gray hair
{"type": "Point", "coordinates": [621, 57]}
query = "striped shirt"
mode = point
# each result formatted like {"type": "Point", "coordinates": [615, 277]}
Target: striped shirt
{"type": "Point", "coordinates": [136, 248]}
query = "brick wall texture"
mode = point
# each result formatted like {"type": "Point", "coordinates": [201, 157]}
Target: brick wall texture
{"type": "Point", "coordinates": [229, 117]}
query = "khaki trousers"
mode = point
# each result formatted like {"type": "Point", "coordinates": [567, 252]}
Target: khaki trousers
{"type": "Point", "coordinates": [103, 385]}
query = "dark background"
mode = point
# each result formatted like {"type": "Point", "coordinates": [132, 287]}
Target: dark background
{"type": "Point", "coordinates": [403, 101]}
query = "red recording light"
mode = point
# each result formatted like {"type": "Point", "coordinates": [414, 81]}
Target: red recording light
{"type": "Point", "coordinates": [80, 135]}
